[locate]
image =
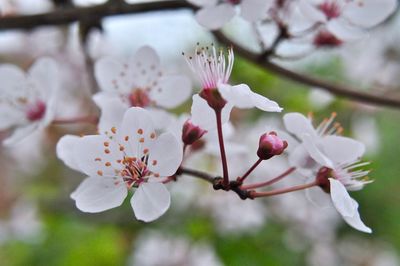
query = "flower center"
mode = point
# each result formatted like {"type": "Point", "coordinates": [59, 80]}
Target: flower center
{"type": "Point", "coordinates": [325, 38]}
{"type": "Point", "coordinates": [139, 98]}
{"type": "Point", "coordinates": [135, 171]}
{"type": "Point", "coordinates": [330, 9]}
{"type": "Point", "coordinates": [36, 111]}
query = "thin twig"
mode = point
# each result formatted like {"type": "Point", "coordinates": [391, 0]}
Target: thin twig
{"type": "Point", "coordinates": [195, 173]}
{"type": "Point", "coordinates": [340, 90]}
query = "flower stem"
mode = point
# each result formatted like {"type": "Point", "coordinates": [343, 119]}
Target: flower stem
{"type": "Point", "coordinates": [255, 194]}
{"type": "Point", "coordinates": [85, 119]}
{"type": "Point", "coordinates": [251, 169]}
{"type": "Point", "coordinates": [269, 182]}
{"type": "Point", "coordinates": [218, 114]}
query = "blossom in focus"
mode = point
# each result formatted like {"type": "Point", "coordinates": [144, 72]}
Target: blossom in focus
{"type": "Point", "coordinates": [214, 14]}
{"type": "Point", "coordinates": [213, 68]}
{"type": "Point", "coordinates": [346, 20]}
{"type": "Point", "coordinates": [27, 100]}
{"type": "Point", "coordinates": [334, 159]}
{"type": "Point", "coordinates": [127, 156]}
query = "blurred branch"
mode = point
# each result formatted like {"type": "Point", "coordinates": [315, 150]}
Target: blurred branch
{"type": "Point", "coordinates": [339, 90]}
{"type": "Point", "coordinates": [71, 14]}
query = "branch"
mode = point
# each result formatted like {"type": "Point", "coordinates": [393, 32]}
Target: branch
{"type": "Point", "coordinates": [340, 90]}
{"type": "Point", "coordinates": [195, 173]}
{"type": "Point", "coordinates": [111, 8]}
{"type": "Point", "coordinates": [69, 15]}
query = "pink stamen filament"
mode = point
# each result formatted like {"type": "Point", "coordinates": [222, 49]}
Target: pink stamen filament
{"type": "Point", "coordinates": [269, 182]}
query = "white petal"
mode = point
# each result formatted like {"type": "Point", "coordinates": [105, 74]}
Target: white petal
{"type": "Point", "coordinates": [97, 194]}
{"type": "Point", "coordinates": [10, 116]}
{"type": "Point", "coordinates": [138, 125]}
{"type": "Point", "coordinates": [112, 110]}
{"type": "Point", "coordinates": [368, 13]}
{"type": "Point", "coordinates": [172, 91]}
{"type": "Point", "coordinates": [319, 198]}
{"type": "Point", "coordinates": [346, 206]}
{"type": "Point", "coordinates": [344, 31]}
{"type": "Point", "coordinates": [161, 118]}
{"type": "Point", "coordinates": [165, 155]}
{"type": "Point", "coordinates": [355, 222]}
{"type": "Point", "coordinates": [300, 158]}
{"type": "Point", "coordinates": [341, 149]}
{"type": "Point", "coordinates": [204, 116]}
{"type": "Point", "coordinates": [341, 199]}
{"type": "Point", "coordinates": [264, 104]}
{"type": "Point", "coordinates": [150, 201]}
{"type": "Point", "coordinates": [44, 76]}
{"type": "Point", "coordinates": [13, 81]}
{"type": "Point", "coordinates": [241, 96]}
{"type": "Point", "coordinates": [144, 67]}
{"type": "Point", "coordinates": [65, 150]}
{"type": "Point", "coordinates": [214, 17]}
{"type": "Point", "coordinates": [254, 10]}
{"type": "Point", "coordinates": [298, 124]}
{"type": "Point", "coordinates": [310, 145]}
{"type": "Point", "coordinates": [92, 154]}
{"type": "Point", "coordinates": [108, 75]}
{"type": "Point", "coordinates": [310, 11]}
{"type": "Point", "coordinates": [20, 133]}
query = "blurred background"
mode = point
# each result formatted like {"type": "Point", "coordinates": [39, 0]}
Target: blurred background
{"type": "Point", "coordinates": [40, 225]}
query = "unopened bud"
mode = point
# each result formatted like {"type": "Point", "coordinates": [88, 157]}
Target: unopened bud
{"type": "Point", "coordinates": [270, 145]}
{"type": "Point", "coordinates": [191, 133]}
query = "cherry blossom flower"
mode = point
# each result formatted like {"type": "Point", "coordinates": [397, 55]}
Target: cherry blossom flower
{"type": "Point", "coordinates": [346, 20]}
{"type": "Point", "coordinates": [127, 156]}
{"type": "Point", "coordinates": [335, 159]}
{"type": "Point", "coordinates": [213, 70]}
{"type": "Point", "coordinates": [140, 82]}
{"type": "Point", "coordinates": [27, 100]}
{"type": "Point", "coordinates": [214, 14]}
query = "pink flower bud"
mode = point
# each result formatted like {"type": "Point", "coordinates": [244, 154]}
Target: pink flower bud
{"type": "Point", "coordinates": [191, 133]}
{"type": "Point", "coordinates": [270, 145]}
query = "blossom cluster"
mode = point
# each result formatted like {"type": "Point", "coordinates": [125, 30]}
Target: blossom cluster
{"type": "Point", "coordinates": [142, 148]}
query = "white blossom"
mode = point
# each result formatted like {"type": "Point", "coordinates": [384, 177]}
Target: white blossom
{"type": "Point", "coordinates": [347, 20]}
{"type": "Point", "coordinates": [27, 100]}
{"type": "Point", "coordinates": [340, 155]}
{"type": "Point", "coordinates": [128, 156]}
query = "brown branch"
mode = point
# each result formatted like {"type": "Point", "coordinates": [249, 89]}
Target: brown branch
{"type": "Point", "coordinates": [195, 173]}
{"type": "Point", "coordinates": [340, 90]}
{"type": "Point", "coordinates": [69, 15]}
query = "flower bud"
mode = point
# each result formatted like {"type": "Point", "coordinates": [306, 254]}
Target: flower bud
{"type": "Point", "coordinates": [191, 133]}
{"type": "Point", "coordinates": [270, 145]}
